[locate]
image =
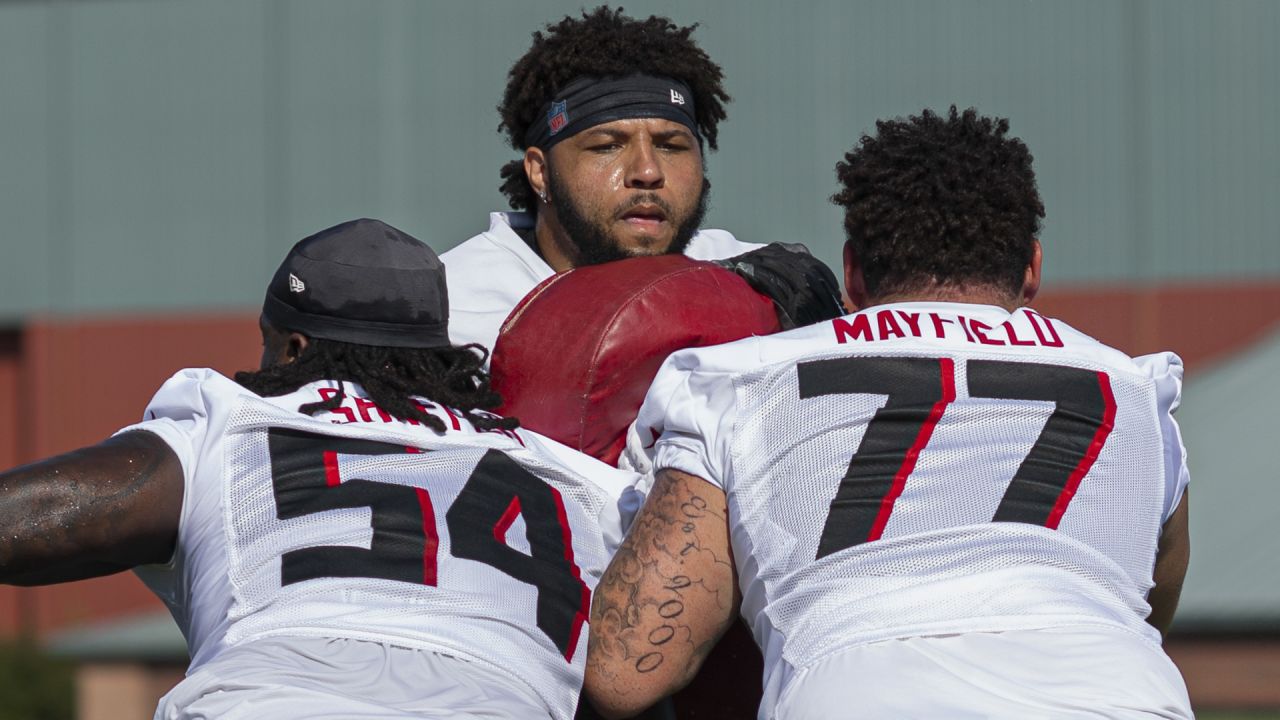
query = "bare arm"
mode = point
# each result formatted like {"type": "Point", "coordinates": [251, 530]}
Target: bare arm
{"type": "Point", "coordinates": [1172, 556]}
{"type": "Point", "coordinates": [90, 512]}
{"type": "Point", "coordinates": [667, 597]}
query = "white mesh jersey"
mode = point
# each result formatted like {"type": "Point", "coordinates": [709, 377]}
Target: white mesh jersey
{"type": "Point", "coordinates": [352, 524]}
{"type": "Point", "coordinates": [923, 469]}
{"type": "Point", "coordinates": [490, 273]}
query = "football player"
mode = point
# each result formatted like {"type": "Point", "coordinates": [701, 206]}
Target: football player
{"type": "Point", "coordinates": [345, 532]}
{"type": "Point", "coordinates": [944, 505]}
{"type": "Point", "coordinates": [612, 116]}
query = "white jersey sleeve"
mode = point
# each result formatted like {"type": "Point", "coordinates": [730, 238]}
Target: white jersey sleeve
{"type": "Point", "coordinates": [185, 414]}
{"type": "Point", "coordinates": [179, 414]}
{"type": "Point", "coordinates": [688, 417]}
{"type": "Point", "coordinates": [717, 245]}
{"type": "Point", "coordinates": [1165, 369]}
{"type": "Point", "coordinates": [488, 275]}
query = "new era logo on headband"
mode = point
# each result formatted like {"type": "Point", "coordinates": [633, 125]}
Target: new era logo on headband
{"type": "Point", "coordinates": [676, 97]}
{"type": "Point", "coordinates": [296, 285]}
{"type": "Point", "coordinates": [558, 116]}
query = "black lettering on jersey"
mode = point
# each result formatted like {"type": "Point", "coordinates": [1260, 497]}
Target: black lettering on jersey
{"type": "Point", "coordinates": [1083, 414]}
{"type": "Point", "coordinates": [496, 492]}
{"type": "Point", "coordinates": [305, 480]}
{"type": "Point", "coordinates": [918, 390]}
{"type": "Point", "coordinates": [304, 476]}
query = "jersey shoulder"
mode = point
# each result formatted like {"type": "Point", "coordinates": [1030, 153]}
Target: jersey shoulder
{"type": "Point", "coordinates": [712, 244]}
{"type": "Point", "coordinates": [1159, 366]}
{"type": "Point", "coordinates": [194, 391]}
{"type": "Point", "coordinates": [1165, 371]}
{"type": "Point", "coordinates": [489, 265]}
{"type": "Point", "coordinates": [1055, 340]}
{"type": "Point", "coordinates": [608, 478]}
{"type": "Point", "coordinates": [752, 353]}
{"type": "Point", "coordinates": [487, 276]}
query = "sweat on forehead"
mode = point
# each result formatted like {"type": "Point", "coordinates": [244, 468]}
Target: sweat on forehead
{"type": "Point", "coordinates": [588, 102]}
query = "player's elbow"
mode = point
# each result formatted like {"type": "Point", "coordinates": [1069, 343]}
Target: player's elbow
{"type": "Point", "coordinates": [614, 702]}
{"type": "Point", "coordinates": [615, 710]}
{"type": "Point", "coordinates": [621, 684]}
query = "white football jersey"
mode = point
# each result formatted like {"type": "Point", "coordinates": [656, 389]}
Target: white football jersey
{"type": "Point", "coordinates": [924, 469]}
{"type": "Point", "coordinates": [353, 524]}
{"type": "Point", "coordinates": [489, 274]}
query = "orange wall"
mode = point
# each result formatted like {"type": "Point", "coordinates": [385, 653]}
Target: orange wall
{"type": "Point", "coordinates": [88, 378]}
{"type": "Point", "coordinates": [1229, 672]}
{"type": "Point", "coordinates": [10, 610]}
{"type": "Point", "coordinates": [10, 357]}
{"type": "Point", "coordinates": [79, 382]}
{"type": "Point", "coordinates": [1203, 322]}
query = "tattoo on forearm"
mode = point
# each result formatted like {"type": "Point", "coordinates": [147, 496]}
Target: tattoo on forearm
{"type": "Point", "coordinates": [639, 614]}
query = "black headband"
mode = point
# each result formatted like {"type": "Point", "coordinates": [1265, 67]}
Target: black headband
{"type": "Point", "coordinates": [590, 101]}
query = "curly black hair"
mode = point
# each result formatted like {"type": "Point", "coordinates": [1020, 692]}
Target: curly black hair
{"type": "Point", "coordinates": [393, 378]}
{"type": "Point", "coordinates": [935, 201]}
{"type": "Point", "coordinates": [603, 43]}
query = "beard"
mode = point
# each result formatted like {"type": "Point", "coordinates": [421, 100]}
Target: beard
{"type": "Point", "coordinates": [591, 238]}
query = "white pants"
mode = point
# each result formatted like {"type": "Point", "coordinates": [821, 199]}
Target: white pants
{"type": "Point", "coordinates": [339, 679]}
{"type": "Point", "coordinates": [1053, 673]}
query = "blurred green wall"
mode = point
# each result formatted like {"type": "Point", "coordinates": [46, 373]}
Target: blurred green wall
{"type": "Point", "coordinates": [163, 154]}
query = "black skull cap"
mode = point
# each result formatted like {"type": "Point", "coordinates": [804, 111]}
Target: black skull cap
{"type": "Point", "coordinates": [362, 282]}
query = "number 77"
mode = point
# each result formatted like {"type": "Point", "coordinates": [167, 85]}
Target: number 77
{"type": "Point", "coordinates": [919, 391]}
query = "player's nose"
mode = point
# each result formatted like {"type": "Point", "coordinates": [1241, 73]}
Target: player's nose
{"type": "Point", "coordinates": [644, 169]}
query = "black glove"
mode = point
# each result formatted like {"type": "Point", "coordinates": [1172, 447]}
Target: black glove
{"type": "Point", "coordinates": [804, 290]}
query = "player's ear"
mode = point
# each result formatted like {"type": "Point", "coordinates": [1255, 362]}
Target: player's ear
{"type": "Point", "coordinates": [1031, 279]}
{"type": "Point", "coordinates": [294, 348]}
{"type": "Point", "coordinates": [535, 169]}
{"type": "Point", "coordinates": [855, 285]}
{"type": "Point", "coordinates": [278, 346]}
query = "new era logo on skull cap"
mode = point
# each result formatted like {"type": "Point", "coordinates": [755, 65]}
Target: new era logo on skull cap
{"type": "Point", "coordinates": [676, 97]}
{"type": "Point", "coordinates": [296, 285]}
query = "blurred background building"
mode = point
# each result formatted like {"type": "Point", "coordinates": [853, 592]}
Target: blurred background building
{"type": "Point", "coordinates": [158, 157]}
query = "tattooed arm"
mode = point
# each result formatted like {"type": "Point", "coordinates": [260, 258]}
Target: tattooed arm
{"type": "Point", "coordinates": [668, 595]}
{"type": "Point", "coordinates": [90, 512]}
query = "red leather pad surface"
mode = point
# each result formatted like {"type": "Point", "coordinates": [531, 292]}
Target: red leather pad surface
{"type": "Point", "coordinates": [574, 359]}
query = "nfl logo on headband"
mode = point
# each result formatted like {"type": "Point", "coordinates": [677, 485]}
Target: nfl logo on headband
{"type": "Point", "coordinates": [558, 116]}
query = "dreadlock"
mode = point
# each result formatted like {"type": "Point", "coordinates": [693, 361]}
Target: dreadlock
{"type": "Point", "coordinates": [936, 201]}
{"type": "Point", "coordinates": [602, 43]}
{"type": "Point", "coordinates": [393, 378]}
